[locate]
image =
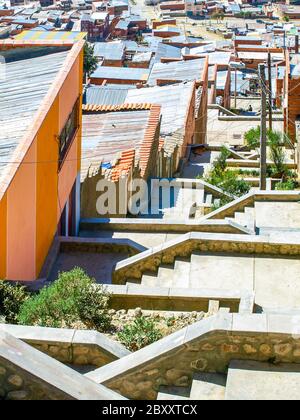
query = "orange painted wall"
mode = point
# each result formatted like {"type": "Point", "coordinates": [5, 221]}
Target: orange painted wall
{"type": "Point", "coordinates": [3, 204]}
{"type": "Point", "coordinates": [54, 187]}
{"type": "Point", "coordinates": [21, 220]}
{"type": "Point", "coordinates": [38, 186]}
{"type": "Point", "coordinates": [46, 188]}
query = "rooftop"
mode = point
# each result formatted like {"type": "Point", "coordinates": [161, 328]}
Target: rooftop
{"type": "Point", "coordinates": [174, 101]}
{"type": "Point", "coordinates": [120, 73]}
{"type": "Point", "coordinates": [21, 94]}
{"type": "Point", "coordinates": [179, 70]}
{"type": "Point", "coordinates": [106, 135]}
{"type": "Point", "coordinates": [106, 95]}
{"type": "Point", "coordinates": [72, 36]}
{"type": "Point", "coordinates": [109, 50]}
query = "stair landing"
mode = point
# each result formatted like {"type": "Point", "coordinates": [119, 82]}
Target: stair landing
{"type": "Point", "coordinates": [249, 380]}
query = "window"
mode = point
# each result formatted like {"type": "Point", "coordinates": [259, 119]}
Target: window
{"type": "Point", "coordinates": [68, 132]}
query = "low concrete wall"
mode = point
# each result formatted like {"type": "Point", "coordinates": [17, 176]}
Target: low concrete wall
{"type": "Point", "coordinates": [28, 374]}
{"type": "Point", "coordinates": [206, 346]}
{"type": "Point", "coordinates": [76, 347]}
{"type": "Point", "coordinates": [178, 299]}
{"type": "Point", "coordinates": [161, 225]}
{"type": "Point", "coordinates": [248, 200]}
{"type": "Point", "coordinates": [185, 245]}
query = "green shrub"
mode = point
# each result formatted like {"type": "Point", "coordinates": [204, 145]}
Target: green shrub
{"type": "Point", "coordinates": [286, 185]}
{"type": "Point", "coordinates": [140, 333]}
{"type": "Point", "coordinates": [71, 299]}
{"type": "Point", "coordinates": [12, 297]}
{"type": "Point", "coordinates": [252, 138]}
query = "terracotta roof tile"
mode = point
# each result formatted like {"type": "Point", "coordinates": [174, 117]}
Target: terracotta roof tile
{"type": "Point", "coordinates": [116, 108]}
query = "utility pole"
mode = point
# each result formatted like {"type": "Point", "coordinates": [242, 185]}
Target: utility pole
{"type": "Point", "coordinates": [263, 130]}
{"type": "Point", "coordinates": [270, 91]}
{"type": "Point", "coordinates": [235, 88]}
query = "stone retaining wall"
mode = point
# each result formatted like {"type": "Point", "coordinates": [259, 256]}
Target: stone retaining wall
{"type": "Point", "coordinates": [177, 299]}
{"type": "Point", "coordinates": [185, 245]}
{"type": "Point", "coordinates": [206, 346]}
{"type": "Point", "coordinates": [28, 374]}
{"type": "Point", "coordinates": [76, 347]}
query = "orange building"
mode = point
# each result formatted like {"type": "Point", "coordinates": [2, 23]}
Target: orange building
{"type": "Point", "coordinates": [40, 148]}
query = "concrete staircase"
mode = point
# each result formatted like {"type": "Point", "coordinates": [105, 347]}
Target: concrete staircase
{"type": "Point", "coordinates": [245, 380]}
{"type": "Point", "coordinates": [188, 203]}
{"type": "Point", "coordinates": [245, 218]}
{"type": "Point", "coordinates": [210, 271]}
{"type": "Point", "coordinates": [205, 386]}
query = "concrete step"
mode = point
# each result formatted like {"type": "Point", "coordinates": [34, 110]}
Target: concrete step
{"type": "Point", "coordinates": [208, 386]}
{"type": "Point", "coordinates": [150, 280]}
{"type": "Point", "coordinates": [165, 276]}
{"type": "Point", "coordinates": [173, 393]}
{"type": "Point", "coordinates": [181, 273]}
{"type": "Point", "coordinates": [250, 211]}
{"type": "Point", "coordinates": [252, 381]}
{"type": "Point", "coordinates": [221, 271]}
{"type": "Point", "coordinates": [244, 219]}
{"type": "Point", "coordinates": [208, 198]}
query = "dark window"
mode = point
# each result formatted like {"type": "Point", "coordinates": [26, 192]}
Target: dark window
{"type": "Point", "coordinates": [68, 132]}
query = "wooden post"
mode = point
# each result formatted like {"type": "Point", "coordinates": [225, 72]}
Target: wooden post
{"type": "Point", "coordinates": [270, 91]}
{"type": "Point", "coordinates": [263, 130]}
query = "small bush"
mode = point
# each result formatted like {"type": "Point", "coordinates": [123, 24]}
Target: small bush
{"type": "Point", "coordinates": [12, 297]}
{"type": "Point", "coordinates": [286, 185]}
{"type": "Point", "coordinates": [252, 138]}
{"type": "Point", "coordinates": [140, 333]}
{"type": "Point", "coordinates": [71, 299]}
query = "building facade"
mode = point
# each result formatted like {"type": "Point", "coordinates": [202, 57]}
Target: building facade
{"type": "Point", "coordinates": [39, 175]}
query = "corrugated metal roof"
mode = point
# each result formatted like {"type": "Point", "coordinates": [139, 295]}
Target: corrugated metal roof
{"type": "Point", "coordinates": [221, 79]}
{"type": "Point", "coordinates": [21, 93]}
{"type": "Point", "coordinates": [103, 95]}
{"type": "Point", "coordinates": [105, 136]}
{"type": "Point", "coordinates": [174, 101]}
{"type": "Point", "coordinates": [166, 51]}
{"type": "Point", "coordinates": [179, 70]}
{"type": "Point", "coordinates": [109, 50]}
{"type": "Point", "coordinates": [141, 57]}
{"type": "Point", "coordinates": [120, 73]}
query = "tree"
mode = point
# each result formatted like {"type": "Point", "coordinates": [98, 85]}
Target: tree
{"type": "Point", "coordinates": [90, 62]}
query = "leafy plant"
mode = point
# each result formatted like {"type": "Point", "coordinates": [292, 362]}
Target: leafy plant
{"type": "Point", "coordinates": [286, 185]}
{"type": "Point", "coordinates": [227, 180]}
{"type": "Point", "coordinates": [90, 62]}
{"type": "Point", "coordinates": [140, 333]}
{"type": "Point", "coordinates": [12, 297]}
{"type": "Point", "coordinates": [73, 298]}
{"type": "Point", "coordinates": [252, 138]}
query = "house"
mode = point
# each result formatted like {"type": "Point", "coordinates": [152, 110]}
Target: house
{"type": "Point", "coordinates": [182, 117]}
{"type": "Point", "coordinates": [120, 144]}
{"type": "Point", "coordinates": [110, 53]}
{"type": "Point", "coordinates": [96, 25]}
{"type": "Point", "coordinates": [178, 71]}
{"type": "Point", "coordinates": [195, 7]}
{"type": "Point", "coordinates": [291, 96]}
{"type": "Point", "coordinates": [40, 111]}
{"type": "Point", "coordinates": [119, 75]}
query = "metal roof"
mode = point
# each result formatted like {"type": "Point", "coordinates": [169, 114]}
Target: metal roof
{"type": "Point", "coordinates": [105, 136]}
{"type": "Point", "coordinates": [178, 70]}
{"type": "Point", "coordinates": [21, 93]}
{"type": "Point", "coordinates": [120, 73]}
{"type": "Point", "coordinates": [174, 101]}
{"type": "Point", "coordinates": [109, 50]}
{"type": "Point", "coordinates": [141, 57]}
{"type": "Point", "coordinates": [166, 51]}
{"type": "Point", "coordinates": [53, 35]}
{"type": "Point", "coordinates": [103, 95]}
